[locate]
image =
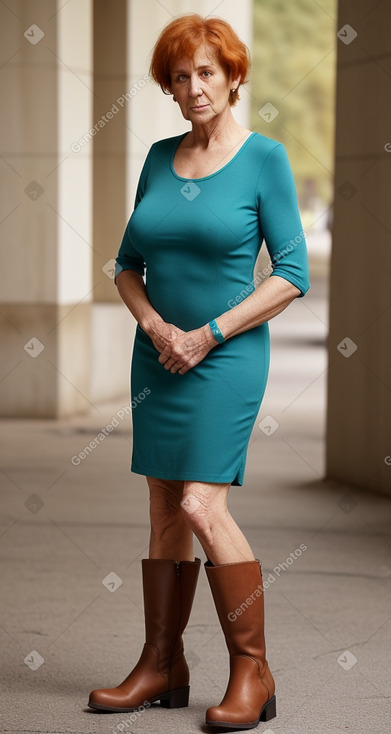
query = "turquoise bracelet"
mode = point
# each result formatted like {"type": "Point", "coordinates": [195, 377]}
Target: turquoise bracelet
{"type": "Point", "coordinates": [216, 331]}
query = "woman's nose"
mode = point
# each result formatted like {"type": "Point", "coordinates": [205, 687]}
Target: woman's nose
{"type": "Point", "coordinates": [195, 89]}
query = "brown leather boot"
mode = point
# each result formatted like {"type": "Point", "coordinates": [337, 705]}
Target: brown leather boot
{"type": "Point", "coordinates": [237, 591]}
{"type": "Point", "coordinates": [161, 672]}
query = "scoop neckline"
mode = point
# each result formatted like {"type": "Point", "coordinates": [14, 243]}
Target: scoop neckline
{"type": "Point", "coordinates": [220, 170]}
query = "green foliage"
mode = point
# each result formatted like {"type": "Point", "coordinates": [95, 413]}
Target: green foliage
{"type": "Point", "coordinates": [293, 67]}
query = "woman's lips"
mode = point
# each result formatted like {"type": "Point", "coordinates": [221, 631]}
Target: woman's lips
{"type": "Point", "coordinates": [200, 107]}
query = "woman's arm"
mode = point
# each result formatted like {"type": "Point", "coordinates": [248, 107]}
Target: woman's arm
{"type": "Point", "coordinates": [129, 271]}
{"type": "Point", "coordinates": [268, 300]}
{"type": "Point", "coordinates": [131, 288]}
{"type": "Point", "coordinates": [180, 350]}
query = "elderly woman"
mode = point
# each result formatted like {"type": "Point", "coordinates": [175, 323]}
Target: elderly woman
{"type": "Point", "coordinates": [205, 202]}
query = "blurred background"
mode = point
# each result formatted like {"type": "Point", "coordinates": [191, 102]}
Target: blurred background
{"type": "Point", "coordinates": [79, 113]}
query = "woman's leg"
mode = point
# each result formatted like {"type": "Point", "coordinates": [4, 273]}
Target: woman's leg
{"type": "Point", "coordinates": [235, 579]}
{"type": "Point", "coordinates": [171, 536]}
{"type": "Point", "coordinates": [169, 582]}
{"type": "Point", "coordinates": [204, 506]}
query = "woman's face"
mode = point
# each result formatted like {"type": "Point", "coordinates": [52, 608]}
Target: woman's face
{"type": "Point", "coordinates": [201, 86]}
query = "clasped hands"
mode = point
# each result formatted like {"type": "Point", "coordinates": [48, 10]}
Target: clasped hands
{"type": "Point", "coordinates": [181, 350]}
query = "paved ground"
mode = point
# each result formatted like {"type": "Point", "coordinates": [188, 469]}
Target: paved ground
{"type": "Point", "coordinates": [66, 526]}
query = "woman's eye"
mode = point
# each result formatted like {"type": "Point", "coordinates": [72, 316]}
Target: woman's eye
{"type": "Point", "coordinates": [181, 77]}
{"type": "Point", "coordinates": [207, 73]}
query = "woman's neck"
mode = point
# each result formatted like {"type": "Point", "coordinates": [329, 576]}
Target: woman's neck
{"type": "Point", "coordinates": [222, 129]}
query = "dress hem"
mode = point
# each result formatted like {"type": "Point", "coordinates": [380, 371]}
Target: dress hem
{"type": "Point", "coordinates": [187, 476]}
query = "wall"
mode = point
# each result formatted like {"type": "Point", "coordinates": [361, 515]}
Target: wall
{"type": "Point", "coordinates": [359, 377]}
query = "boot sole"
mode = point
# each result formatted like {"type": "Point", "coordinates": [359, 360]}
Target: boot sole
{"type": "Point", "coordinates": [178, 698]}
{"type": "Point", "coordinates": [268, 712]}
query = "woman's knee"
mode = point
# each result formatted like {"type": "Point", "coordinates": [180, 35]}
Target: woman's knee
{"type": "Point", "coordinates": [204, 505]}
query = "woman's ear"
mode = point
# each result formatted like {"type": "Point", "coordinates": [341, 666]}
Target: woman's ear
{"type": "Point", "coordinates": [235, 82]}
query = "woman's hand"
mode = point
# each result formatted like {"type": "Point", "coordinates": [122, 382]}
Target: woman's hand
{"type": "Point", "coordinates": [162, 334]}
{"type": "Point", "coordinates": [187, 349]}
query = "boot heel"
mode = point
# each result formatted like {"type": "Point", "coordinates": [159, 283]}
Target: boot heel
{"type": "Point", "coordinates": [175, 699]}
{"type": "Point", "coordinates": [269, 710]}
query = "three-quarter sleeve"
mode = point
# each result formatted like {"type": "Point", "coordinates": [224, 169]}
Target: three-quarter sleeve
{"type": "Point", "coordinates": [128, 257]}
{"type": "Point", "coordinates": [280, 221]}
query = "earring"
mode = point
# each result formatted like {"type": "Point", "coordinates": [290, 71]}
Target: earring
{"type": "Point", "coordinates": [233, 90]}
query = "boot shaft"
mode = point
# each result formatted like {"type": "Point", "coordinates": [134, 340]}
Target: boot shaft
{"type": "Point", "coordinates": [168, 588]}
{"type": "Point", "coordinates": [237, 591]}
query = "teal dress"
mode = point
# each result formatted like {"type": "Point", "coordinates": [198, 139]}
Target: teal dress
{"type": "Point", "coordinates": [198, 241]}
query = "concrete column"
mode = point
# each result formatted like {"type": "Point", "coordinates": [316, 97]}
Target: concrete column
{"type": "Point", "coordinates": [109, 142]}
{"type": "Point", "coordinates": [46, 255]}
{"type": "Point", "coordinates": [111, 327]}
{"type": "Point", "coordinates": [359, 379]}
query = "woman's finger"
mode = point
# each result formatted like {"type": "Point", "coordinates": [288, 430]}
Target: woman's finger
{"type": "Point", "coordinates": [164, 356]}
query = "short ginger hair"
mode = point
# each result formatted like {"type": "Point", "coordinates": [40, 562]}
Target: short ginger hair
{"type": "Point", "coordinates": [182, 36]}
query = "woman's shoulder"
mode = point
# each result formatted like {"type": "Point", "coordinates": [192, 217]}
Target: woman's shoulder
{"type": "Point", "coordinates": [166, 144]}
{"type": "Point", "coordinates": [268, 155]}
{"type": "Point", "coordinates": [265, 144]}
